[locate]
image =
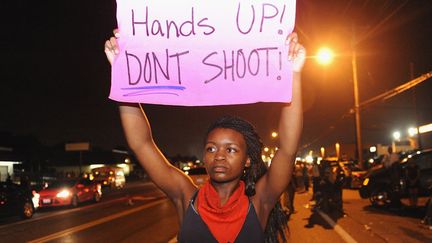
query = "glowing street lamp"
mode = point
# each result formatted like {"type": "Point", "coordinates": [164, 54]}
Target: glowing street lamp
{"type": "Point", "coordinates": [412, 131]}
{"type": "Point", "coordinates": [322, 152]}
{"type": "Point", "coordinates": [274, 134]}
{"type": "Point", "coordinates": [396, 135]}
{"type": "Point", "coordinates": [324, 56]}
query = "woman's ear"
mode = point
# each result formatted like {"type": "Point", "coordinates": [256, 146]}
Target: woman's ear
{"type": "Point", "coordinates": [248, 163]}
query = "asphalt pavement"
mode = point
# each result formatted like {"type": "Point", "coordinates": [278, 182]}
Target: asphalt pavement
{"type": "Point", "coordinates": [360, 222]}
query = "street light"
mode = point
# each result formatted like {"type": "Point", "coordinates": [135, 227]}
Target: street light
{"type": "Point", "coordinates": [412, 131]}
{"type": "Point", "coordinates": [396, 135]}
{"type": "Point", "coordinates": [325, 56]}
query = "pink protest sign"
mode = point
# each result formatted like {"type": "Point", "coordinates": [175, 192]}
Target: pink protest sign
{"type": "Point", "coordinates": [199, 53]}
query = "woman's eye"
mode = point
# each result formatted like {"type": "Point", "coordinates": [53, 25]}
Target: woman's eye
{"type": "Point", "coordinates": [210, 149]}
{"type": "Point", "coordinates": [231, 150]}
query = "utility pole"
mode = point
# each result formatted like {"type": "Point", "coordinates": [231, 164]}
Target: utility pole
{"type": "Point", "coordinates": [359, 146]}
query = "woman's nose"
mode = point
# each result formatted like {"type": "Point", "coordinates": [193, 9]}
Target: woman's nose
{"type": "Point", "coordinates": [220, 155]}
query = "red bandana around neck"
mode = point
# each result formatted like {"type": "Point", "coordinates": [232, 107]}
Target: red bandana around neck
{"type": "Point", "coordinates": [224, 222]}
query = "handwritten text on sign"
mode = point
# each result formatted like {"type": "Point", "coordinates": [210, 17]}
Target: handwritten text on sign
{"type": "Point", "coordinates": [203, 52]}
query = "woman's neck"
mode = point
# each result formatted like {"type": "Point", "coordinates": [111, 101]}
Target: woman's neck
{"type": "Point", "coordinates": [225, 189]}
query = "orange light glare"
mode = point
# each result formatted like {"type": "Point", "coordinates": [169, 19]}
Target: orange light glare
{"type": "Point", "coordinates": [324, 56]}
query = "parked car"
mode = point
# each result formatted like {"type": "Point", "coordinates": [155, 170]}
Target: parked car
{"type": "Point", "coordinates": [353, 174]}
{"type": "Point", "coordinates": [377, 184]}
{"type": "Point", "coordinates": [15, 200]}
{"type": "Point", "coordinates": [199, 175]}
{"type": "Point", "coordinates": [70, 192]}
{"type": "Point", "coordinates": [357, 177]}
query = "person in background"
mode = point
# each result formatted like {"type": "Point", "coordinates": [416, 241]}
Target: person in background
{"type": "Point", "coordinates": [287, 200]}
{"type": "Point", "coordinates": [240, 201]}
{"type": "Point", "coordinates": [315, 178]}
{"type": "Point", "coordinates": [8, 179]}
{"type": "Point", "coordinates": [390, 158]}
{"type": "Point", "coordinates": [390, 161]}
{"type": "Point", "coordinates": [298, 176]}
{"type": "Point", "coordinates": [305, 176]}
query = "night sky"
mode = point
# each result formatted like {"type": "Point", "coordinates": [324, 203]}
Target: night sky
{"type": "Point", "coordinates": [55, 78]}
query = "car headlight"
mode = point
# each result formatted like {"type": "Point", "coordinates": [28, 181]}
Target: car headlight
{"type": "Point", "coordinates": [366, 182]}
{"type": "Point", "coordinates": [35, 199]}
{"type": "Point", "coordinates": [63, 194]}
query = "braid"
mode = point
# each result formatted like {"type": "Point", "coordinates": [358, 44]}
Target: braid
{"type": "Point", "coordinates": [277, 223]}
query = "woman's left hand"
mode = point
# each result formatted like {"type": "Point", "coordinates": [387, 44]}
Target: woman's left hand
{"type": "Point", "coordinates": [296, 52]}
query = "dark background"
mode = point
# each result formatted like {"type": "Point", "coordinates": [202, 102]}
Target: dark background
{"type": "Point", "coordinates": [55, 78]}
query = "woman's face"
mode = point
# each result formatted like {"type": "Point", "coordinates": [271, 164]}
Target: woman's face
{"type": "Point", "coordinates": [225, 155]}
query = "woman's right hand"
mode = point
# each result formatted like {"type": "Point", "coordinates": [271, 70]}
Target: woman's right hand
{"type": "Point", "coordinates": [111, 47]}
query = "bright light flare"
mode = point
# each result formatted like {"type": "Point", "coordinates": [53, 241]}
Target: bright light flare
{"type": "Point", "coordinates": [397, 135]}
{"type": "Point", "coordinates": [324, 56]}
{"type": "Point", "coordinates": [426, 128]}
{"type": "Point", "coordinates": [63, 194]}
{"type": "Point", "coordinates": [412, 131]}
{"type": "Point", "coordinates": [35, 199]}
{"type": "Point", "coordinates": [309, 159]}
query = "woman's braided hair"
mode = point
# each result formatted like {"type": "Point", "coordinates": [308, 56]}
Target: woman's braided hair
{"type": "Point", "coordinates": [277, 223]}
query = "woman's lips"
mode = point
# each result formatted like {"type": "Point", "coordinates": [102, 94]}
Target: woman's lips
{"type": "Point", "coordinates": [219, 169]}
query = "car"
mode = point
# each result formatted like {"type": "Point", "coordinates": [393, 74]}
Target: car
{"type": "Point", "coordinates": [356, 178]}
{"type": "Point", "coordinates": [16, 200]}
{"type": "Point", "coordinates": [353, 174]}
{"type": "Point", "coordinates": [377, 184]}
{"type": "Point", "coordinates": [69, 192]}
{"type": "Point", "coordinates": [198, 174]}
{"type": "Point", "coordinates": [110, 177]}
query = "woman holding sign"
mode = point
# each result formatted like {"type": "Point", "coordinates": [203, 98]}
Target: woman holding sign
{"type": "Point", "coordinates": [240, 202]}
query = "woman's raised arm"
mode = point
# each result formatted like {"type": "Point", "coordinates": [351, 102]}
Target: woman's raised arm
{"type": "Point", "coordinates": [275, 181]}
{"type": "Point", "coordinates": [139, 137]}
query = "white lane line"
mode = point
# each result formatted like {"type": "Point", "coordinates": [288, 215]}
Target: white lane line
{"type": "Point", "coordinates": [94, 223]}
{"type": "Point", "coordinates": [341, 232]}
{"type": "Point", "coordinates": [67, 211]}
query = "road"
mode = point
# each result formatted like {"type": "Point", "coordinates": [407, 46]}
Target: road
{"type": "Point", "coordinates": [141, 213]}
{"type": "Point", "coordinates": [360, 223]}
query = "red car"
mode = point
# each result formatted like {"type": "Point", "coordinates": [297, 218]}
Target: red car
{"type": "Point", "coordinates": [69, 193]}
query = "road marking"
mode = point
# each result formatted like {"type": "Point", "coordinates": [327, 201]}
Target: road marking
{"type": "Point", "coordinates": [341, 232]}
{"type": "Point", "coordinates": [94, 223]}
{"type": "Point", "coordinates": [67, 211]}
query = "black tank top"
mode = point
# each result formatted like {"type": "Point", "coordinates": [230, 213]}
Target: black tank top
{"type": "Point", "coordinates": [194, 229]}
